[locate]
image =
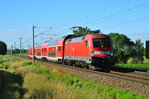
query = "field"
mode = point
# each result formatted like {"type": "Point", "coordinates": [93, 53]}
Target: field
{"type": "Point", "coordinates": [144, 66]}
{"type": "Point", "coordinates": [22, 79]}
{"type": "Point", "coordinates": [134, 66]}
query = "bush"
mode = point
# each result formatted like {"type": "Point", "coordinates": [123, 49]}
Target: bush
{"type": "Point", "coordinates": [27, 63]}
{"type": "Point", "coordinates": [3, 48]}
{"type": "Point", "coordinates": [135, 60]}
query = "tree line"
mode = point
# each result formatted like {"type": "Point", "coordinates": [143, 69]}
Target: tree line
{"type": "Point", "coordinates": [4, 50]}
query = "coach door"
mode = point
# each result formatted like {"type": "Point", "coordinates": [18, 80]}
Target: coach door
{"type": "Point", "coordinates": [59, 51]}
{"type": "Point", "coordinates": [45, 52]}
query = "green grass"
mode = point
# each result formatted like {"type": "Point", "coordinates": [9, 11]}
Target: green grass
{"type": "Point", "coordinates": [144, 66]}
{"type": "Point", "coordinates": [25, 54]}
{"type": "Point", "coordinates": [40, 82]}
{"type": "Point", "coordinates": [134, 66]}
{"type": "Point", "coordinates": [146, 61]}
{"type": "Point", "coordinates": [10, 85]}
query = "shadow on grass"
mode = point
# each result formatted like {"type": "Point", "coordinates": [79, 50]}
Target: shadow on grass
{"type": "Point", "coordinates": [126, 70]}
{"type": "Point", "coordinates": [11, 85]}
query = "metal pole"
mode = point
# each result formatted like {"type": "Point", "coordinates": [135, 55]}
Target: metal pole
{"type": "Point", "coordinates": [20, 45]}
{"type": "Point", "coordinates": [11, 49]}
{"type": "Point", "coordinates": [14, 47]}
{"type": "Point", "coordinates": [33, 47]}
{"type": "Point", "coordinates": [23, 48]}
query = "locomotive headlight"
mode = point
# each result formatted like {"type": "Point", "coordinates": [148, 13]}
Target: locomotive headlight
{"type": "Point", "coordinates": [92, 53]}
{"type": "Point", "coordinates": [112, 53]}
{"type": "Point", "coordinates": [107, 52]}
{"type": "Point", "coordinates": [96, 52]}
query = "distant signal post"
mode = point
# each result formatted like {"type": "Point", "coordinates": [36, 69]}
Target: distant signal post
{"type": "Point", "coordinates": [147, 49]}
{"type": "Point", "coordinates": [33, 60]}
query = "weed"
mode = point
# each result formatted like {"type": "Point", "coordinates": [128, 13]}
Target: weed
{"type": "Point", "coordinates": [15, 67]}
{"type": "Point", "coordinates": [38, 86]}
{"type": "Point", "coordinates": [134, 66]}
{"type": "Point", "coordinates": [7, 65]}
{"type": "Point", "coordinates": [10, 85]}
{"type": "Point", "coordinates": [26, 63]}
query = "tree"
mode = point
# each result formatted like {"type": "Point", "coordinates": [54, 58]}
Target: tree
{"type": "Point", "coordinates": [3, 48]}
{"type": "Point", "coordinates": [139, 49]}
{"type": "Point", "coordinates": [123, 47]}
{"type": "Point", "coordinates": [80, 31]}
{"type": "Point", "coordinates": [16, 51]}
{"type": "Point", "coordinates": [144, 52]}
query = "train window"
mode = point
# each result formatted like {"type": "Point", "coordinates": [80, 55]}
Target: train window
{"type": "Point", "coordinates": [87, 45]}
{"type": "Point", "coordinates": [101, 43]}
{"type": "Point", "coordinates": [59, 48]}
{"type": "Point", "coordinates": [45, 49]}
{"type": "Point", "coordinates": [69, 40]}
{"type": "Point", "coordinates": [52, 54]}
{"type": "Point", "coordinates": [83, 38]}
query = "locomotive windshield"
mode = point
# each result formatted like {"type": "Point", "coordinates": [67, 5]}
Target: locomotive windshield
{"type": "Point", "coordinates": [101, 42]}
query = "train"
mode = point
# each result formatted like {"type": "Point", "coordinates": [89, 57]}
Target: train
{"type": "Point", "coordinates": [89, 51]}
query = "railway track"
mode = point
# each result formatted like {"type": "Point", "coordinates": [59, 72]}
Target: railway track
{"type": "Point", "coordinates": [127, 76]}
{"type": "Point", "coordinates": [117, 75]}
{"type": "Point", "coordinates": [134, 77]}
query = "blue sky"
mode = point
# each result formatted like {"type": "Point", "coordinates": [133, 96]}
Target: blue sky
{"type": "Point", "coordinates": [129, 17]}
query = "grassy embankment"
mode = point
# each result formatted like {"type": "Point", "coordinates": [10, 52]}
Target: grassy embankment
{"type": "Point", "coordinates": [23, 79]}
{"type": "Point", "coordinates": [144, 66]}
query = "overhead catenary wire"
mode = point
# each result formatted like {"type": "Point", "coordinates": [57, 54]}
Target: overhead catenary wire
{"type": "Point", "coordinates": [114, 14]}
{"type": "Point", "coordinates": [95, 12]}
{"type": "Point", "coordinates": [122, 23]}
{"type": "Point", "coordinates": [120, 12]}
{"type": "Point", "coordinates": [123, 14]}
{"type": "Point", "coordinates": [43, 32]}
{"type": "Point", "coordinates": [26, 41]}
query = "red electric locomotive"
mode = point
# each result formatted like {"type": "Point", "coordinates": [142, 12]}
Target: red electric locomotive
{"type": "Point", "coordinates": [92, 50]}
{"type": "Point", "coordinates": [89, 51]}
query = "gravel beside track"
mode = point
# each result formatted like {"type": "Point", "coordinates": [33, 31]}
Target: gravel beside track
{"type": "Point", "coordinates": [143, 74]}
{"type": "Point", "coordinates": [134, 81]}
{"type": "Point", "coordinates": [143, 78]}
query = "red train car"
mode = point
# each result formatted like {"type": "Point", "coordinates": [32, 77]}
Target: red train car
{"type": "Point", "coordinates": [44, 51]}
{"type": "Point", "coordinates": [93, 50]}
{"type": "Point", "coordinates": [30, 52]}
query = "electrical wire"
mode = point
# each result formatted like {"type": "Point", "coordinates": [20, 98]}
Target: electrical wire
{"type": "Point", "coordinates": [122, 23]}
{"type": "Point", "coordinates": [43, 32]}
{"type": "Point", "coordinates": [123, 14]}
{"type": "Point", "coordinates": [95, 12]}
{"type": "Point", "coordinates": [120, 12]}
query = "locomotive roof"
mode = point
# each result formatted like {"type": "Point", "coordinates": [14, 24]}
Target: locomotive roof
{"type": "Point", "coordinates": [52, 43]}
{"type": "Point", "coordinates": [76, 39]}
{"type": "Point", "coordinates": [47, 44]}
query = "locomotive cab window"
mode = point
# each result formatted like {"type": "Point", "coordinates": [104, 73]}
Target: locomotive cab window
{"type": "Point", "coordinates": [59, 49]}
{"type": "Point", "coordinates": [87, 45]}
{"type": "Point", "coordinates": [42, 49]}
{"type": "Point", "coordinates": [101, 43]}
